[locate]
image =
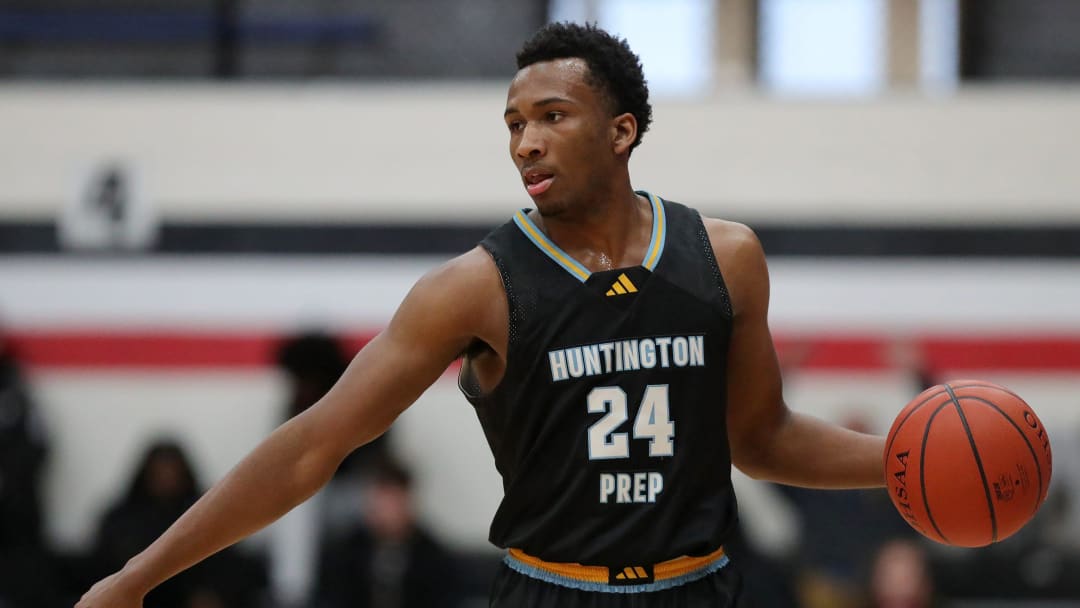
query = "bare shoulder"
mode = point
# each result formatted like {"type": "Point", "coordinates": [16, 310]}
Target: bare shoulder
{"type": "Point", "coordinates": [460, 284]}
{"type": "Point", "coordinates": [742, 261]}
{"type": "Point", "coordinates": [469, 271]}
{"type": "Point", "coordinates": [463, 296]}
{"type": "Point", "coordinates": [731, 240]}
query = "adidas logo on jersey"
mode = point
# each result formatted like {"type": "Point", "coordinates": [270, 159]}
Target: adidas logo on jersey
{"type": "Point", "coordinates": [630, 575]}
{"type": "Point", "coordinates": [622, 286]}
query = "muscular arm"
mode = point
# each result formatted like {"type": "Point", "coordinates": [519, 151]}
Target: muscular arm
{"type": "Point", "coordinates": [768, 440]}
{"type": "Point", "coordinates": [441, 315]}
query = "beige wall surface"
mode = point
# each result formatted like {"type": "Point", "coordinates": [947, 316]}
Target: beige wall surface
{"type": "Point", "coordinates": [438, 153]}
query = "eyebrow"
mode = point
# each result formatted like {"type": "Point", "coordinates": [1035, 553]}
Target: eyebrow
{"type": "Point", "coordinates": [543, 102]}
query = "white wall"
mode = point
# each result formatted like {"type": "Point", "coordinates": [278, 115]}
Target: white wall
{"type": "Point", "coordinates": [423, 152]}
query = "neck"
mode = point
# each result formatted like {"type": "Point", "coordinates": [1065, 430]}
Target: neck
{"type": "Point", "coordinates": [610, 230]}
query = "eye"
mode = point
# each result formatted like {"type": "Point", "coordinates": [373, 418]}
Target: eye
{"type": "Point", "coordinates": [515, 125]}
{"type": "Point", "coordinates": [555, 116]}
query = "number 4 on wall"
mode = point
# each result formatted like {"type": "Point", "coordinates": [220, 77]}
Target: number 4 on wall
{"type": "Point", "coordinates": [653, 422]}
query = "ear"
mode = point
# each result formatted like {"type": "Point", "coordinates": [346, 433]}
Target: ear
{"type": "Point", "coordinates": [623, 133]}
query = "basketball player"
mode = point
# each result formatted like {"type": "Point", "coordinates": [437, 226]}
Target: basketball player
{"type": "Point", "coordinates": [617, 354]}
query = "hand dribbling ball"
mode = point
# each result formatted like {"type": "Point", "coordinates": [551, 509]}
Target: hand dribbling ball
{"type": "Point", "coordinates": [967, 463]}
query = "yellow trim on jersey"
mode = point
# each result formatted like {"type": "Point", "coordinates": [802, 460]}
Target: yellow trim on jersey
{"type": "Point", "coordinates": [659, 233]}
{"type": "Point", "coordinates": [669, 569]}
{"type": "Point", "coordinates": [588, 574]}
{"type": "Point", "coordinates": [541, 240]}
{"type": "Point", "coordinates": [560, 257]}
{"type": "Point", "coordinates": [684, 565]}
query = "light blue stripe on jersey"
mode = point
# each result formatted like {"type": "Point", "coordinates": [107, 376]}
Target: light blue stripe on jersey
{"type": "Point", "coordinates": [659, 233]}
{"type": "Point", "coordinates": [550, 248]}
{"type": "Point", "coordinates": [565, 581]}
{"type": "Point", "coordinates": [652, 253]}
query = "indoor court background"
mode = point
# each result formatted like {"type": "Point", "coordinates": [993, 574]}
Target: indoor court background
{"type": "Point", "coordinates": [186, 185]}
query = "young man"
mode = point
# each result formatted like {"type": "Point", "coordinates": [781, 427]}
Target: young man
{"type": "Point", "coordinates": [618, 355]}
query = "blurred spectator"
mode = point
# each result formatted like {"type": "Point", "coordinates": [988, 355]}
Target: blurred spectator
{"type": "Point", "coordinates": [840, 532]}
{"type": "Point", "coordinates": [1035, 562]}
{"type": "Point", "coordinates": [901, 577]}
{"type": "Point", "coordinates": [26, 574]}
{"type": "Point", "coordinates": [389, 560]}
{"type": "Point", "coordinates": [22, 455]}
{"type": "Point", "coordinates": [766, 579]}
{"type": "Point", "coordinates": [312, 362]}
{"type": "Point", "coordinates": [1065, 487]}
{"type": "Point", "coordinates": [908, 354]}
{"type": "Point", "coordinates": [162, 488]}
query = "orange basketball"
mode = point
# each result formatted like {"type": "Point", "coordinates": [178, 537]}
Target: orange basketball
{"type": "Point", "coordinates": [967, 463]}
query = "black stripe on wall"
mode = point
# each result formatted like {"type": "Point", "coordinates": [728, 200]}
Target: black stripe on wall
{"type": "Point", "coordinates": [786, 240]}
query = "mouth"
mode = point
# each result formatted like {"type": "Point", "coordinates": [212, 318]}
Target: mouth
{"type": "Point", "coordinates": [537, 181]}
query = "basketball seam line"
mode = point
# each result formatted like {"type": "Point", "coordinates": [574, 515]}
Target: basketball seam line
{"type": "Point", "coordinates": [996, 387]}
{"type": "Point", "coordinates": [922, 471]}
{"type": "Point", "coordinates": [899, 425]}
{"type": "Point", "coordinates": [1031, 448]}
{"type": "Point", "coordinates": [978, 463]}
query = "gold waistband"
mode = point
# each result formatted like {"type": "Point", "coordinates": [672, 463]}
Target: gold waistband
{"type": "Point", "coordinates": [669, 569]}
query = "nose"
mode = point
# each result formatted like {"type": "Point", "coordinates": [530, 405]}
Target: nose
{"type": "Point", "coordinates": [530, 143]}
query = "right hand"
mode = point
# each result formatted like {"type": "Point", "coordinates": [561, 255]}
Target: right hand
{"type": "Point", "coordinates": [113, 591]}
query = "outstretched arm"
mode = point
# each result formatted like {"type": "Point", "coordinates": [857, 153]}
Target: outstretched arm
{"type": "Point", "coordinates": [768, 440]}
{"type": "Point", "coordinates": [439, 317]}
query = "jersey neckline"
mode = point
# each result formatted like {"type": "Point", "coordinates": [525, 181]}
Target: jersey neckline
{"type": "Point", "coordinates": [576, 268]}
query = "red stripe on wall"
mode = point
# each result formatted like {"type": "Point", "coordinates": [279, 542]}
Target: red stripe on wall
{"type": "Point", "coordinates": [214, 350]}
{"type": "Point", "coordinates": [1016, 353]}
{"type": "Point", "coordinates": [154, 349]}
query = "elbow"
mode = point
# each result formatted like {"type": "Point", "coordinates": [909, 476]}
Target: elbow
{"type": "Point", "coordinates": [752, 465]}
{"type": "Point", "coordinates": [314, 469]}
{"type": "Point", "coordinates": [760, 453]}
{"type": "Point", "coordinates": [313, 459]}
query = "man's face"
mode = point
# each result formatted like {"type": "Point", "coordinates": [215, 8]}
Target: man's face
{"type": "Point", "coordinates": [560, 134]}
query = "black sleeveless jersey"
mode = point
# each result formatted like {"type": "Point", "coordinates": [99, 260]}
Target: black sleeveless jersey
{"type": "Point", "coordinates": [608, 426]}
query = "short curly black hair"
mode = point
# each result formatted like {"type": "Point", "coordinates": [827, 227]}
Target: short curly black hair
{"type": "Point", "coordinates": [614, 69]}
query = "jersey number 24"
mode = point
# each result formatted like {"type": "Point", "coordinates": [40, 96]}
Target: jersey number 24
{"type": "Point", "coordinates": [653, 422]}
